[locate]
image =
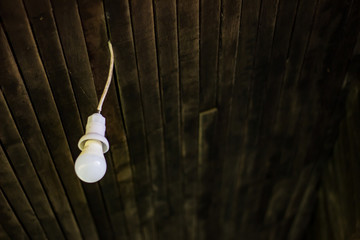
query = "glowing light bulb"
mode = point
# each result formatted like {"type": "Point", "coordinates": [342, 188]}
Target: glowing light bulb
{"type": "Point", "coordinates": [90, 166]}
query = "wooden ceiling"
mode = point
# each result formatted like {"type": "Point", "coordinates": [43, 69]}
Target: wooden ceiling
{"type": "Point", "coordinates": [220, 116]}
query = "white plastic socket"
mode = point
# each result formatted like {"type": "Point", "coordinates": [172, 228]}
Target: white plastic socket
{"type": "Point", "coordinates": [95, 130]}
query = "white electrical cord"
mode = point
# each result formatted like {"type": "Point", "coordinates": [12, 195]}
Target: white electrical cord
{"type": "Point", "coordinates": [108, 81]}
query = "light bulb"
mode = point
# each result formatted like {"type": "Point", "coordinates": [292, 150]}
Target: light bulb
{"type": "Point", "coordinates": [90, 166]}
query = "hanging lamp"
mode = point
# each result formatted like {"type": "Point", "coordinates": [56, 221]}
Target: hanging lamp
{"type": "Point", "coordinates": [90, 166]}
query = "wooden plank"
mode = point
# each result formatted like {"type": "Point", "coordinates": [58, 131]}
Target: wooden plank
{"type": "Point", "coordinates": [9, 220]}
{"type": "Point", "coordinates": [237, 151]}
{"type": "Point", "coordinates": [326, 23]}
{"type": "Point", "coordinates": [121, 33]}
{"type": "Point", "coordinates": [44, 27]}
{"type": "Point", "coordinates": [277, 159]}
{"type": "Point", "coordinates": [256, 194]}
{"type": "Point", "coordinates": [74, 47]}
{"type": "Point", "coordinates": [50, 50]}
{"type": "Point", "coordinates": [206, 169]}
{"type": "Point", "coordinates": [12, 87]}
{"type": "Point", "coordinates": [14, 193]}
{"type": "Point", "coordinates": [299, 42]}
{"type": "Point", "coordinates": [94, 26]}
{"type": "Point", "coordinates": [3, 234]}
{"type": "Point", "coordinates": [229, 35]}
{"type": "Point", "coordinates": [72, 40]}
{"type": "Point", "coordinates": [209, 46]}
{"type": "Point", "coordinates": [168, 67]}
{"type": "Point", "coordinates": [228, 45]}
{"type": "Point", "coordinates": [188, 40]}
{"type": "Point", "coordinates": [339, 56]}
{"type": "Point", "coordinates": [305, 209]}
{"type": "Point", "coordinates": [25, 50]}
{"type": "Point", "coordinates": [282, 36]}
{"type": "Point", "coordinates": [263, 50]}
{"type": "Point", "coordinates": [145, 48]}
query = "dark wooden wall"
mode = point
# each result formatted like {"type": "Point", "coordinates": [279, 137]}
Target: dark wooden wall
{"type": "Point", "coordinates": [221, 116]}
{"type": "Point", "coordinates": [338, 211]}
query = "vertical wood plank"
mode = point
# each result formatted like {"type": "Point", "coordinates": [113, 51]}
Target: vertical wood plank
{"type": "Point", "coordinates": [257, 194]}
{"type": "Point", "coordinates": [121, 33]}
{"type": "Point", "coordinates": [237, 151]}
{"type": "Point", "coordinates": [206, 169]}
{"type": "Point", "coordinates": [327, 23]}
{"type": "Point", "coordinates": [188, 40]}
{"type": "Point", "coordinates": [299, 43]}
{"type": "Point", "coordinates": [263, 51]}
{"type": "Point", "coordinates": [9, 220]}
{"type": "Point", "coordinates": [228, 46]}
{"type": "Point", "coordinates": [14, 193]}
{"type": "Point", "coordinates": [145, 48]}
{"type": "Point", "coordinates": [282, 38]}
{"type": "Point", "coordinates": [209, 46]}
{"type": "Point", "coordinates": [168, 67]}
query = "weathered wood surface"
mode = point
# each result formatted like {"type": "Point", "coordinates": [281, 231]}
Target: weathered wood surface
{"type": "Point", "coordinates": [168, 70]}
{"type": "Point", "coordinates": [221, 118]}
{"type": "Point", "coordinates": [13, 191]}
{"type": "Point", "coordinates": [3, 234]}
{"type": "Point", "coordinates": [188, 44]}
{"type": "Point", "coordinates": [9, 220]}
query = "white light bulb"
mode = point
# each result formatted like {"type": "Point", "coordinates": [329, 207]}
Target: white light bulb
{"type": "Point", "coordinates": [90, 166]}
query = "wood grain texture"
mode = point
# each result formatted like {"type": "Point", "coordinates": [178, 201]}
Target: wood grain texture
{"type": "Point", "coordinates": [229, 35]}
{"type": "Point", "coordinates": [339, 178]}
{"type": "Point", "coordinates": [14, 142]}
{"type": "Point", "coordinates": [206, 168]}
{"type": "Point", "coordinates": [121, 33]}
{"type": "Point", "coordinates": [14, 193]}
{"type": "Point", "coordinates": [222, 118]}
{"type": "Point", "coordinates": [145, 48]}
{"type": "Point", "coordinates": [188, 40]}
{"type": "Point", "coordinates": [209, 46]}
{"type": "Point", "coordinates": [42, 18]}
{"type": "Point", "coordinates": [168, 70]}
{"type": "Point", "coordinates": [10, 221]}
{"type": "Point", "coordinates": [3, 234]}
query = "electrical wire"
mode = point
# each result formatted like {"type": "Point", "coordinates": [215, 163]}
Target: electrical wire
{"type": "Point", "coordinates": [108, 81]}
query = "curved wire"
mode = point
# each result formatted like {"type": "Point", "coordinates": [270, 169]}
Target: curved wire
{"type": "Point", "coordinates": [108, 81]}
